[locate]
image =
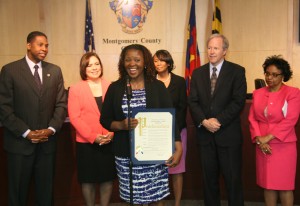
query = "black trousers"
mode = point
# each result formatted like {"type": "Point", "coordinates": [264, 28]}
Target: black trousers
{"type": "Point", "coordinates": [225, 161]}
{"type": "Point", "coordinates": [21, 169]}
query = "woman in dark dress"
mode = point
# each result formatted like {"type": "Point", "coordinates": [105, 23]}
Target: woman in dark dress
{"type": "Point", "coordinates": [95, 160]}
{"type": "Point", "coordinates": [175, 84]}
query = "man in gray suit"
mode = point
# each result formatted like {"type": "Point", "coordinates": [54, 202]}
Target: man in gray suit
{"type": "Point", "coordinates": [217, 96]}
{"type": "Point", "coordinates": [32, 110]}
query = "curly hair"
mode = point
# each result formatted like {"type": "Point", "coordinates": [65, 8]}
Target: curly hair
{"type": "Point", "coordinates": [165, 56]}
{"type": "Point", "coordinates": [280, 64]}
{"type": "Point", "coordinates": [149, 68]}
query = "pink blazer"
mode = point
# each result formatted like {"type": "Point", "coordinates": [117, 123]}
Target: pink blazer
{"type": "Point", "coordinates": [84, 113]}
{"type": "Point", "coordinates": [275, 113]}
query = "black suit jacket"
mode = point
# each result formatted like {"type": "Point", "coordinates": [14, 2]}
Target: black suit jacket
{"type": "Point", "coordinates": [226, 103]}
{"type": "Point", "coordinates": [177, 90]}
{"type": "Point", "coordinates": [23, 106]}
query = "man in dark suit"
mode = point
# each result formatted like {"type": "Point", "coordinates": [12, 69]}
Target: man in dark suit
{"type": "Point", "coordinates": [217, 96]}
{"type": "Point", "coordinates": [32, 110]}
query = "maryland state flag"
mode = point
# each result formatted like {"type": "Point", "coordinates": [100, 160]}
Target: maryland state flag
{"type": "Point", "coordinates": [217, 20]}
{"type": "Point", "coordinates": [192, 52]}
{"type": "Point", "coordinates": [89, 43]}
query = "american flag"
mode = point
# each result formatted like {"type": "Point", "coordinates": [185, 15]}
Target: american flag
{"type": "Point", "coordinates": [89, 43]}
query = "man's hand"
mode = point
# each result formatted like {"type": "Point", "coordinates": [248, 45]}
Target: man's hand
{"type": "Point", "coordinates": [211, 124]}
{"type": "Point", "coordinates": [39, 136]}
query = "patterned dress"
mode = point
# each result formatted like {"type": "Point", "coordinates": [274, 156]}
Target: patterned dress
{"type": "Point", "coordinates": [150, 182]}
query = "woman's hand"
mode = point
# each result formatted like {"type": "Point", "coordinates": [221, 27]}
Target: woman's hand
{"type": "Point", "coordinates": [265, 148]}
{"type": "Point", "coordinates": [123, 125]}
{"type": "Point", "coordinates": [104, 139]}
{"type": "Point", "coordinates": [133, 124]}
{"type": "Point", "coordinates": [263, 143]}
{"type": "Point", "coordinates": [110, 135]}
{"type": "Point", "coordinates": [174, 160]}
{"type": "Point", "coordinates": [264, 139]}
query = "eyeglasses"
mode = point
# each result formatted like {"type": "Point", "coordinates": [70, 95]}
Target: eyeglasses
{"type": "Point", "coordinates": [274, 75]}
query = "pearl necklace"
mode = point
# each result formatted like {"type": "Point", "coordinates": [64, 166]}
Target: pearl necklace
{"type": "Point", "coordinates": [164, 81]}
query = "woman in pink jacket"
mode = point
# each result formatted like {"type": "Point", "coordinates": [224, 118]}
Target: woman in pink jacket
{"type": "Point", "coordinates": [273, 116]}
{"type": "Point", "coordinates": [95, 160]}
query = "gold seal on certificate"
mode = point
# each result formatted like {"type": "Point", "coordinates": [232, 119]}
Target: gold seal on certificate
{"type": "Point", "coordinates": [153, 139]}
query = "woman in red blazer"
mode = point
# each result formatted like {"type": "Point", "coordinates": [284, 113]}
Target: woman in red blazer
{"type": "Point", "coordinates": [273, 115]}
{"type": "Point", "coordinates": [95, 160]}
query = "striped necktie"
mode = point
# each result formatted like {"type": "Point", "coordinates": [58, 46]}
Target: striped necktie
{"type": "Point", "coordinates": [37, 77]}
{"type": "Point", "coordinates": [213, 81]}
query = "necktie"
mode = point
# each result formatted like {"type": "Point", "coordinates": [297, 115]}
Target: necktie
{"type": "Point", "coordinates": [213, 81]}
{"type": "Point", "coordinates": [37, 77]}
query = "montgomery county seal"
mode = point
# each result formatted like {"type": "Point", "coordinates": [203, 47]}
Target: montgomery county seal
{"type": "Point", "coordinates": [131, 14]}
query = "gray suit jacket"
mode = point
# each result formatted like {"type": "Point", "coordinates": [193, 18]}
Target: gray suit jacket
{"type": "Point", "coordinates": [23, 106]}
{"type": "Point", "coordinates": [225, 104]}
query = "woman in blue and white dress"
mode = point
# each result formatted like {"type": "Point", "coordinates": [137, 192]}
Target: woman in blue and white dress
{"type": "Point", "coordinates": [150, 182]}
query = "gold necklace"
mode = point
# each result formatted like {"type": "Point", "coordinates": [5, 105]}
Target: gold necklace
{"type": "Point", "coordinates": [164, 81]}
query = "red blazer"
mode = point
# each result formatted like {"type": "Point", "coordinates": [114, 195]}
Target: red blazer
{"type": "Point", "coordinates": [84, 113]}
{"type": "Point", "coordinates": [283, 108]}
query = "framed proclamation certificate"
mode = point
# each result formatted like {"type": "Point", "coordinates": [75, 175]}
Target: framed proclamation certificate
{"type": "Point", "coordinates": [153, 139]}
